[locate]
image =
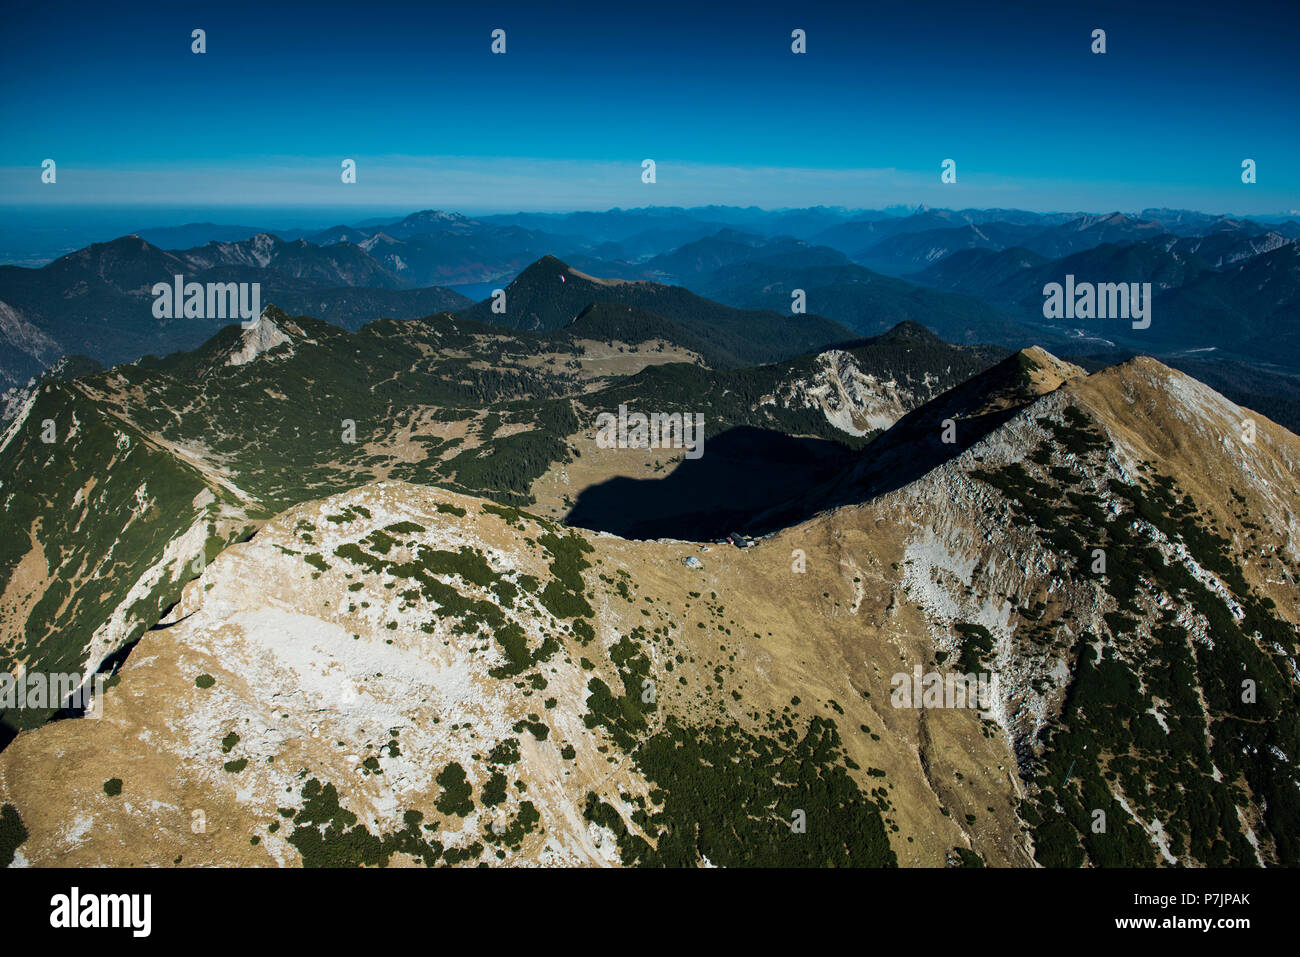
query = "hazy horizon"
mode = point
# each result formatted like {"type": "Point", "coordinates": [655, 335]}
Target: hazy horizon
{"type": "Point", "coordinates": [34, 234]}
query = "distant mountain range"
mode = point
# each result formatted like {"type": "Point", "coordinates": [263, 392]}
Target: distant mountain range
{"type": "Point", "coordinates": [1247, 307]}
{"type": "Point", "coordinates": [97, 301]}
{"type": "Point", "coordinates": [898, 248]}
{"type": "Point", "coordinates": [723, 280]}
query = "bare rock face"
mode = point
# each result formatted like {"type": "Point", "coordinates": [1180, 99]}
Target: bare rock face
{"type": "Point", "coordinates": [273, 673]}
{"type": "Point", "coordinates": [24, 352]}
{"type": "Point", "coordinates": [853, 401]}
{"type": "Point", "coordinates": [263, 336]}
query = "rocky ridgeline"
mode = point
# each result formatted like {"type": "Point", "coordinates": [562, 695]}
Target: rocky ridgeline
{"type": "Point", "coordinates": [398, 674]}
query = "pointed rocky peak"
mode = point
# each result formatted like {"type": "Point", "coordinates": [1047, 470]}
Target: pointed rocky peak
{"type": "Point", "coordinates": [551, 271]}
{"type": "Point", "coordinates": [1168, 415]}
{"type": "Point", "coordinates": [262, 336]}
{"type": "Point", "coordinates": [1045, 372]}
{"type": "Point", "coordinates": [128, 263]}
{"type": "Point", "coordinates": [547, 264]}
{"type": "Point", "coordinates": [380, 238]}
{"type": "Point", "coordinates": [1012, 384]}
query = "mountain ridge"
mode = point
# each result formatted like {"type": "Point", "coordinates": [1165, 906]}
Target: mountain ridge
{"type": "Point", "coordinates": [915, 575]}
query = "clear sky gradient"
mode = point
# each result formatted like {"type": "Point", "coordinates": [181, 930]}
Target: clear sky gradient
{"type": "Point", "coordinates": [712, 92]}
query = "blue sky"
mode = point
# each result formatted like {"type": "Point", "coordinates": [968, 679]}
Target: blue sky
{"type": "Point", "coordinates": [712, 92]}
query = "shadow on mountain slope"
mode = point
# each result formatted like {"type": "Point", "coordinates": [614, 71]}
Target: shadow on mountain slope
{"type": "Point", "coordinates": [916, 444]}
{"type": "Point", "coordinates": [756, 481]}
{"type": "Point", "coordinates": [743, 471]}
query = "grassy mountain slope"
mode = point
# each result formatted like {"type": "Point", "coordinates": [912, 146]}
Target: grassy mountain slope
{"type": "Point", "coordinates": [162, 462]}
{"type": "Point", "coordinates": [107, 524]}
{"type": "Point", "coordinates": [481, 685]}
